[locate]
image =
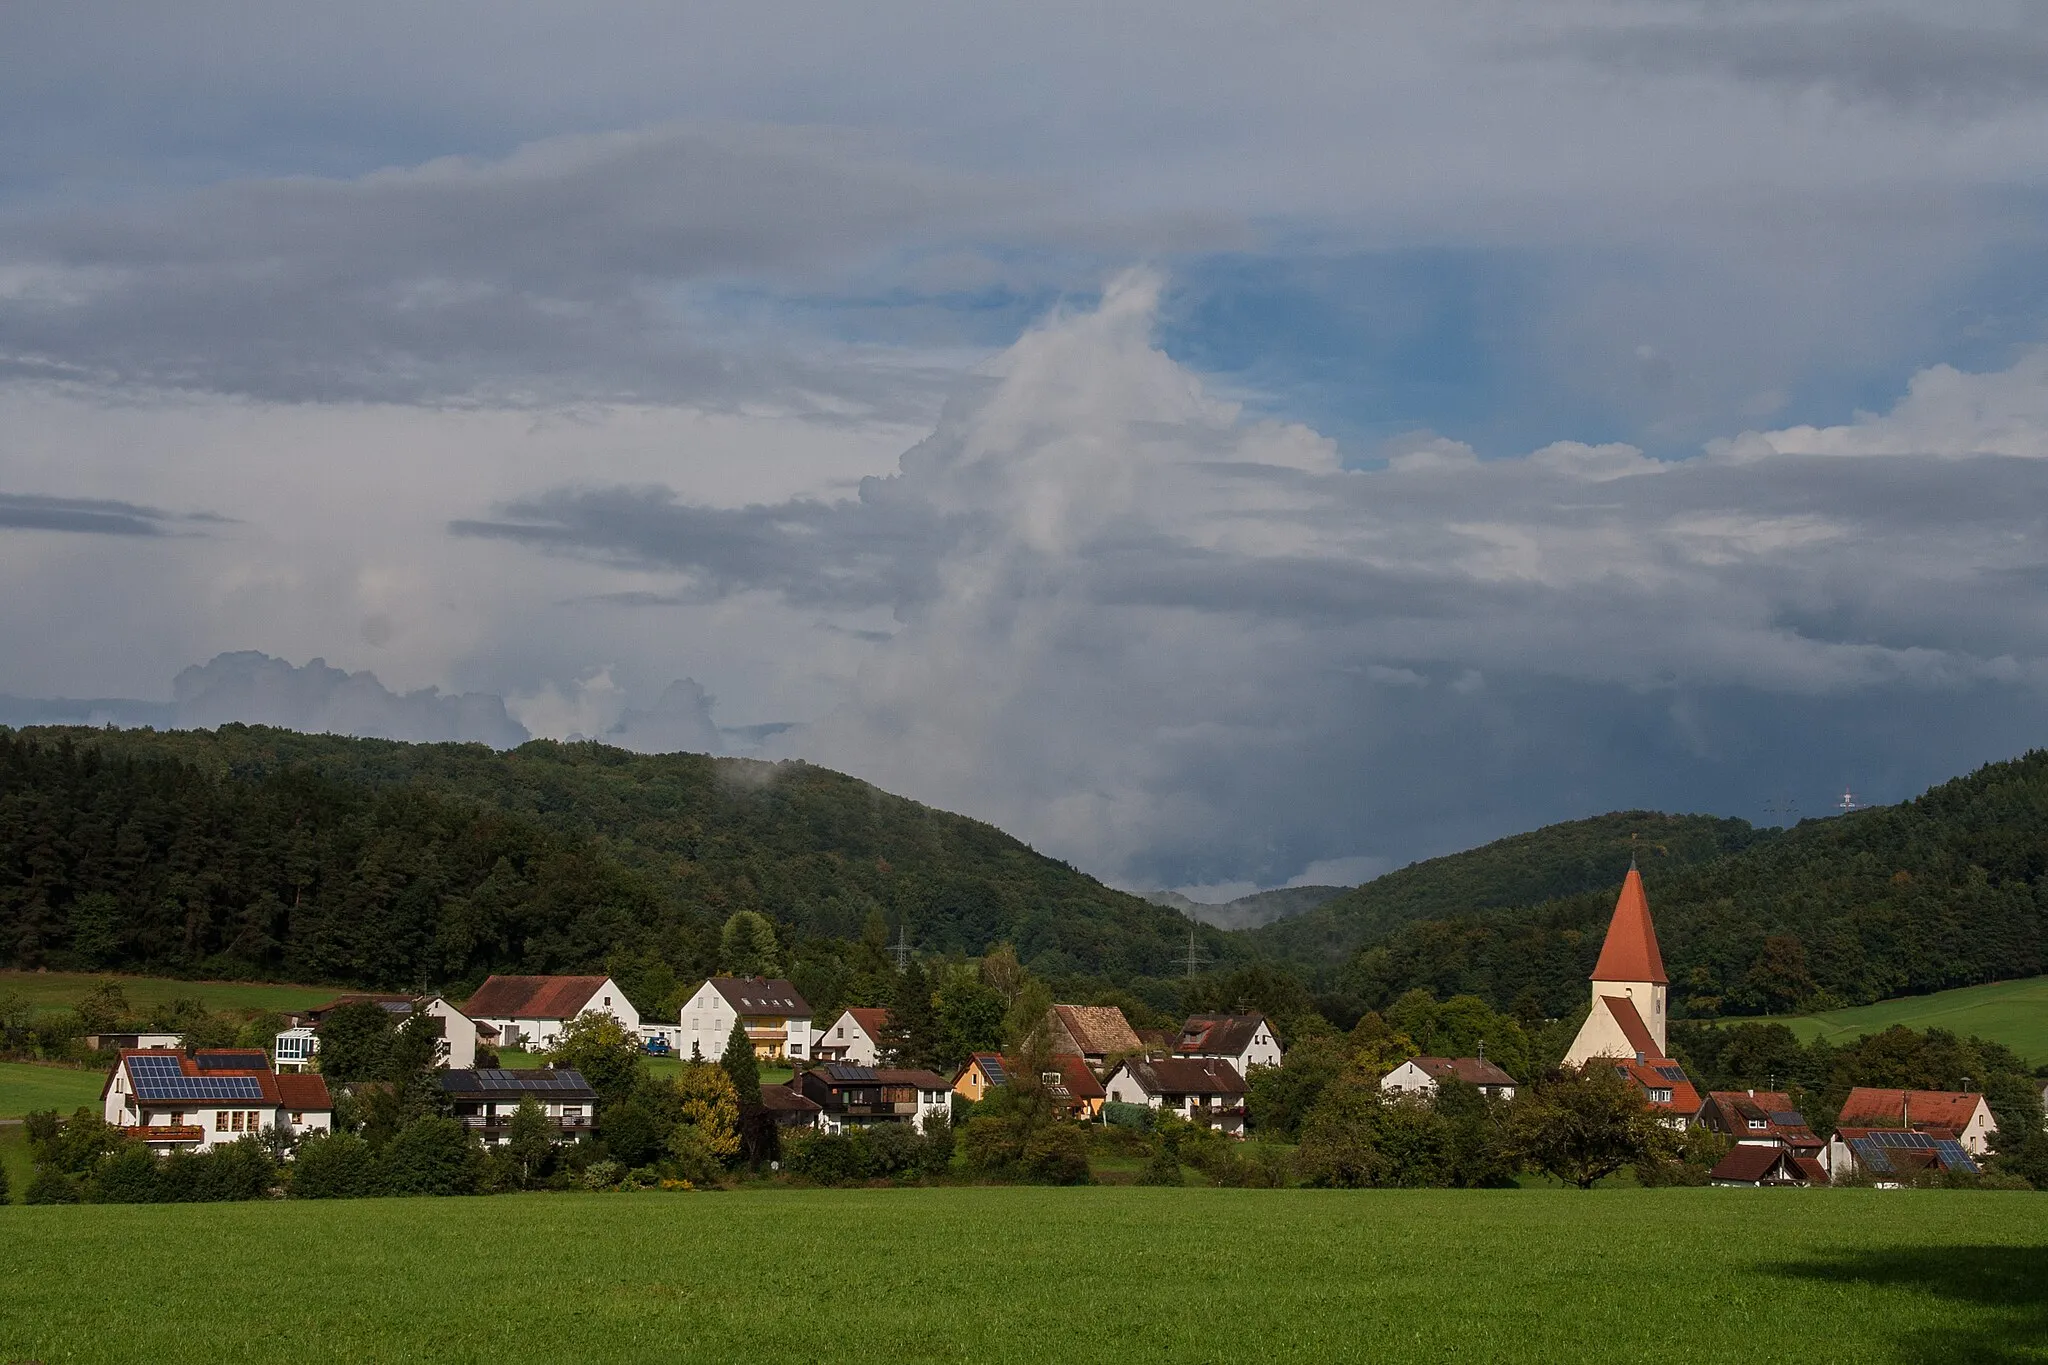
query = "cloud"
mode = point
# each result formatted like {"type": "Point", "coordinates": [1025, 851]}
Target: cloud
{"type": "Point", "coordinates": [554, 272]}
{"type": "Point", "coordinates": [1852, 53]}
{"type": "Point", "coordinates": [93, 516]}
{"type": "Point", "coordinates": [1183, 645]}
{"type": "Point", "coordinates": [256, 689]}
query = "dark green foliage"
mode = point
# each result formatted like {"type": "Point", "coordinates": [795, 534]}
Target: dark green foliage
{"type": "Point", "coordinates": [1138, 1117]}
{"type": "Point", "coordinates": [911, 1037]}
{"type": "Point", "coordinates": [883, 1151]}
{"type": "Point", "coordinates": [355, 1043]}
{"type": "Point", "coordinates": [604, 1051]}
{"type": "Point", "coordinates": [631, 1134]}
{"type": "Point", "coordinates": [1584, 1125]}
{"type": "Point", "coordinates": [530, 1139]}
{"type": "Point", "coordinates": [334, 1166]}
{"type": "Point", "coordinates": [746, 946]}
{"type": "Point", "coordinates": [249, 851]}
{"type": "Point", "coordinates": [129, 1176]}
{"type": "Point", "coordinates": [741, 1066]}
{"type": "Point", "coordinates": [1161, 1168]}
{"type": "Point", "coordinates": [970, 1020]}
{"type": "Point", "coordinates": [50, 1186]}
{"type": "Point", "coordinates": [1278, 1098]}
{"type": "Point", "coordinates": [431, 1156]}
{"type": "Point", "coordinates": [1950, 889]}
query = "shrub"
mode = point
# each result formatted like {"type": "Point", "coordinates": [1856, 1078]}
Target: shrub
{"type": "Point", "coordinates": [432, 1156]}
{"type": "Point", "coordinates": [127, 1177]}
{"type": "Point", "coordinates": [691, 1157]}
{"type": "Point", "coordinates": [1162, 1168]}
{"type": "Point", "coordinates": [1057, 1154]}
{"type": "Point", "coordinates": [992, 1145]}
{"type": "Point", "coordinates": [50, 1186]}
{"type": "Point", "coordinates": [242, 1169]}
{"type": "Point", "coordinates": [334, 1166]}
{"type": "Point", "coordinates": [936, 1156]}
{"type": "Point", "coordinates": [1141, 1117]}
{"type": "Point", "coordinates": [602, 1175]}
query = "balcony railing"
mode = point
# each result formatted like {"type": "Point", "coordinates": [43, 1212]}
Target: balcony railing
{"type": "Point", "coordinates": [164, 1132]}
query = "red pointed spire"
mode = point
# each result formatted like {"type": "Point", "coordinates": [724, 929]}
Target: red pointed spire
{"type": "Point", "coordinates": [1630, 952]}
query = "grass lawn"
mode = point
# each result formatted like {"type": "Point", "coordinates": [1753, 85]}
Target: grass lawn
{"type": "Point", "coordinates": [14, 1159]}
{"type": "Point", "coordinates": [25, 1086]}
{"type": "Point", "coordinates": [2011, 1012]}
{"type": "Point", "coordinates": [1033, 1275]}
{"type": "Point", "coordinates": [58, 990]}
{"type": "Point", "coordinates": [514, 1059]}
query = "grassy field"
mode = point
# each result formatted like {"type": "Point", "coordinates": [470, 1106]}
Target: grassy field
{"type": "Point", "coordinates": [57, 990]}
{"type": "Point", "coordinates": [2011, 1012]}
{"type": "Point", "coordinates": [1032, 1275]}
{"type": "Point", "coordinates": [25, 1086]}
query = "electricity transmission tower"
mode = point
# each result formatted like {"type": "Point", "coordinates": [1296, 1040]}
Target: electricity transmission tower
{"type": "Point", "coordinates": [1194, 958]}
{"type": "Point", "coordinates": [900, 949]}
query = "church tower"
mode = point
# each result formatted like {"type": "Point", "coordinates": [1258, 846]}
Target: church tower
{"type": "Point", "coordinates": [1631, 1004]}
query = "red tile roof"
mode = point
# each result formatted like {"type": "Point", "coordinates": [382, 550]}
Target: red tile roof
{"type": "Point", "coordinates": [1471, 1070]}
{"type": "Point", "coordinates": [1632, 1027]}
{"type": "Point", "coordinates": [1218, 1035]}
{"type": "Point", "coordinates": [1630, 952]}
{"type": "Point", "coordinates": [1812, 1169]}
{"type": "Point", "coordinates": [873, 1022]}
{"type": "Point", "coordinates": [1185, 1076]}
{"type": "Point", "coordinates": [1872, 1108]}
{"type": "Point", "coordinates": [1097, 1030]}
{"type": "Point", "coordinates": [1650, 1076]}
{"type": "Point", "coordinates": [782, 1099]}
{"type": "Point", "coordinates": [532, 997]}
{"type": "Point", "coordinates": [303, 1090]}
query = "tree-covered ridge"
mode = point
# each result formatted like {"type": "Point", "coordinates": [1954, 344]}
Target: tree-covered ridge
{"type": "Point", "coordinates": [1578, 857]}
{"type": "Point", "coordinates": [252, 851]}
{"type": "Point", "coordinates": [1949, 889]}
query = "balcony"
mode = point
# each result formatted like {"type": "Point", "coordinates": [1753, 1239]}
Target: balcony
{"type": "Point", "coordinates": [775, 1034]}
{"type": "Point", "coordinates": [879, 1109]}
{"type": "Point", "coordinates": [164, 1132]}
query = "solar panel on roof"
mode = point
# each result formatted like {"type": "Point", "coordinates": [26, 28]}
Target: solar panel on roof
{"type": "Point", "coordinates": [1953, 1156]}
{"type": "Point", "coordinates": [845, 1071]}
{"type": "Point", "coordinates": [1872, 1155]}
{"type": "Point", "coordinates": [992, 1067]}
{"type": "Point", "coordinates": [1788, 1118]}
{"type": "Point", "coordinates": [1670, 1073]}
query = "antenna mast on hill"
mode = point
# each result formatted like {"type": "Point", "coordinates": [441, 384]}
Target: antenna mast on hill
{"type": "Point", "coordinates": [900, 949]}
{"type": "Point", "coordinates": [1848, 801]}
{"type": "Point", "coordinates": [1193, 957]}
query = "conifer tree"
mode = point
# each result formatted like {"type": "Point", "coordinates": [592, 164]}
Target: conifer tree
{"type": "Point", "coordinates": [740, 1066]}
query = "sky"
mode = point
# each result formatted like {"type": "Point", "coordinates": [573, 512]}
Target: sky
{"type": "Point", "coordinates": [1224, 446]}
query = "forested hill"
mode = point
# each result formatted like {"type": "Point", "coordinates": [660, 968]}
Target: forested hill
{"type": "Point", "coordinates": [252, 851]}
{"type": "Point", "coordinates": [1578, 857]}
{"type": "Point", "coordinates": [1949, 889]}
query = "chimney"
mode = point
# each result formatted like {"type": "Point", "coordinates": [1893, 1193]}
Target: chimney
{"type": "Point", "coordinates": [1752, 1092]}
{"type": "Point", "coordinates": [1906, 1107]}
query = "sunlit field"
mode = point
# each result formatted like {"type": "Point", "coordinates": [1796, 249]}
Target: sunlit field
{"type": "Point", "coordinates": [1038, 1274]}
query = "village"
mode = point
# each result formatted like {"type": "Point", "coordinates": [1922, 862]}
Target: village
{"type": "Point", "coordinates": [1088, 1060]}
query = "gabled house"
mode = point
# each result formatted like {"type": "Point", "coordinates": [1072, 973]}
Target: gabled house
{"type": "Point", "coordinates": [1891, 1156]}
{"type": "Point", "coordinates": [1243, 1040]}
{"type": "Point", "coordinates": [1757, 1163]}
{"type": "Point", "coordinates": [1764, 1118]}
{"type": "Point", "coordinates": [855, 1036]}
{"type": "Point", "coordinates": [188, 1101]}
{"type": "Point", "coordinates": [777, 1018]}
{"type": "Point", "coordinates": [296, 1047]}
{"type": "Point", "coordinates": [1094, 1033]}
{"type": "Point", "coordinates": [787, 1108]}
{"type": "Point", "coordinates": [1067, 1079]}
{"type": "Point", "coordinates": [851, 1096]}
{"type": "Point", "coordinates": [528, 1012]}
{"type": "Point", "coordinates": [1201, 1090]}
{"type": "Point", "coordinates": [485, 1100]}
{"type": "Point", "coordinates": [1961, 1114]}
{"type": "Point", "coordinates": [1630, 1011]}
{"type": "Point", "coordinates": [1419, 1076]}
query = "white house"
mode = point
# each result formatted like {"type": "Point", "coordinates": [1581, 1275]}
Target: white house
{"type": "Point", "coordinates": [1419, 1076]}
{"type": "Point", "coordinates": [777, 1018]}
{"type": "Point", "coordinates": [296, 1047]}
{"type": "Point", "coordinates": [1243, 1040]}
{"type": "Point", "coordinates": [855, 1037]}
{"type": "Point", "coordinates": [528, 1011]}
{"type": "Point", "coordinates": [190, 1101]}
{"type": "Point", "coordinates": [1199, 1089]}
{"type": "Point", "coordinates": [484, 1101]}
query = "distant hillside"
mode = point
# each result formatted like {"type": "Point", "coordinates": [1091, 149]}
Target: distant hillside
{"type": "Point", "coordinates": [1579, 856]}
{"type": "Point", "coordinates": [255, 852]}
{"type": "Point", "coordinates": [1249, 912]}
{"type": "Point", "coordinates": [1949, 889]}
{"type": "Point", "coordinates": [2011, 1012]}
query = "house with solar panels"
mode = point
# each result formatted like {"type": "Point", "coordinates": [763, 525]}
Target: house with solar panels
{"type": "Point", "coordinates": [1961, 1114]}
{"type": "Point", "coordinates": [850, 1096]}
{"type": "Point", "coordinates": [485, 1099]}
{"type": "Point", "coordinates": [1893, 1157]}
{"type": "Point", "coordinates": [528, 1012]}
{"type": "Point", "coordinates": [190, 1101]}
{"type": "Point", "coordinates": [1067, 1080]}
{"type": "Point", "coordinates": [776, 1016]}
{"type": "Point", "coordinates": [1627, 1025]}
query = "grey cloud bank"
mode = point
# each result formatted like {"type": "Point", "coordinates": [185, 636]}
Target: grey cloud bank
{"type": "Point", "coordinates": [1180, 645]}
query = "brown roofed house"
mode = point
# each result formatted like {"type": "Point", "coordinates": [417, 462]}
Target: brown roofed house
{"type": "Point", "coordinates": [1962, 1113]}
{"type": "Point", "coordinates": [1243, 1040]}
{"type": "Point", "coordinates": [1755, 1163]}
{"type": "Point", "coordinates": [855, 1036]}
{"type": "Point", "coordinates": [529, 1011]}
{"type": "Point", "coordinates": [1202, 1090]}
{"type": "Point", "coordinates": [175, 1101]}
{"type": "Point", "coordinates": [1420, 1075]}
{"type": "Point", "coordinates": [1096, 1033]}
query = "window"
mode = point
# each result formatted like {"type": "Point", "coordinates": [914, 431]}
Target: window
{"type": "Point", "coordinates": [1758, 1124]}
{"type": "Point", "coordinates": [297, 1118]}
{"type": "Point", "coordinates": [607, 1002]}
{"type": "Point", "coordinates": [842, 1030]}
{"type": "Point", "coordinates": [220, 1120]}
{"type": "Point", "coordinates": [237, 1116]}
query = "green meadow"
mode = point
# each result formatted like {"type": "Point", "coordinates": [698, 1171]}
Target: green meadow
{"type": "Point", "coordinates": [1019, 1274]}
{"type": "Point", "coordinates": [59, 990]}
{"type": "Point", "coordinates": [29, 1085]}
{"type": "Point", "coordinates": [2011, 1012]}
